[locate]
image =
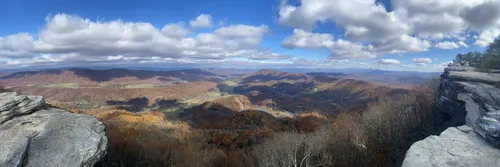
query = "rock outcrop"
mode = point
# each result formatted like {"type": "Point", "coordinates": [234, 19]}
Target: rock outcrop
{"type": "Point", "coordinates": [455, 147]}
{"type": "Point", "coordinates": [34, 135]}
{"type": "Point", "coordinates": [12, 105]}
{"type": "Point", "coordinates": [467, 98]}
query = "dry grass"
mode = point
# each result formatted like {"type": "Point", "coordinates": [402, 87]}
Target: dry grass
{"type": "Point", "coordinates": [61, 85]}
{"type": "Point", "coordinates": [145, 122]}
{"type": "Point", "coordinates": [273, 111]}
{"type": "Point", "coordinates": [138, 86]}
{"type": "Point", "coordinates": [312, 115]}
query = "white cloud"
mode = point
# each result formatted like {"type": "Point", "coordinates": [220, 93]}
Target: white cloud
{"type": "Point", "coordinates": [202, 21]}
{"type": "Point", "coordinates": [344, 49]}
{"type": "Point", "coordinates": [235, 31]}
{"type": "Point", "coordinates": [304, 39]}
{"type": "Point", "coordinates": [16, 46]}
{"type": "Point", "coordinates": [422, 60]}
{"type": "Point", "coordinates": [401, 44]}
{"type": "Point", "coordinates": [438, 19]}
{"type": "Point", "coordinates": [340, 49]}
{"type": "Point", "coordinates": [487, 37]}
{"type": "Point", "coordinates": [389, 62]}
{"type": "Point", "coordinates": [176, 30]}
{"type": "Point", "coordinates": [407, 28]}
{"type": "Point", "coordinates": [463, 44]}
{"type": "Point", "coordinates": [371, 22]}
{"type": "Point", "coordinates": [384, 31]}
{"type": "Point", "coordinates": [447, 45]}
{"type": "Point", "coordinates": [267, 55]}
{"type": "Point", "coordinates": [304, 62]}
{"type": "Point", "coordinates": [75, 40]}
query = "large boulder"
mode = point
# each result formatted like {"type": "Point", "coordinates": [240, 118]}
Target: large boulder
{"type": "Point", "coordinates": [455, 147]}
{"type": "Point", "coordinates": [31, 135]}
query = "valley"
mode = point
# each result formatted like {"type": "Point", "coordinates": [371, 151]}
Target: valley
{"type": "Point", "coordinates": [230, 115]}
{"type": "Point", "coordinates": [141, 90]}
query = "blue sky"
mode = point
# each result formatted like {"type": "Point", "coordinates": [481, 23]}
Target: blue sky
{"type": "Point", "coordinates": [392, 35]}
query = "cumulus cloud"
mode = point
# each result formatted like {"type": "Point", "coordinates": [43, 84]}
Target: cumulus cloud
{"type": "Point", "coordinates": [176, 30]}
{"type": "Point", "coordinates": [304, 39]}
{"type": "Point", "coordinates": [487, 37]}
{"type": "Point", "coordinates": [411, 26]}
{"type": "Point", "coordinates": [389, 62]}
{"type": "Point", "coordinates": [76, 40]}
{"type": "Point", "coordinates": [304, 62]}
{"type": "Point", "coordinates": [463, 44]}
{"type": "Point", "coordinates": [440, 19]}
{"type": "Point", "coordinates": [16, 46]}
{"type": "Point", "coordinates": [384, 31]}
{"type": "Point", "coordinates": [202, 21]}
{"type": "Point", "coordinates": [422, 60]}
{"type": "Point", "coordinates": [447, 45]}
{"type": "Point", "coordinates": [340, 49]}
{"type": "Point", "coordinates": [267, 55]}
{"type": "Point", "coordinates": [344, 49]}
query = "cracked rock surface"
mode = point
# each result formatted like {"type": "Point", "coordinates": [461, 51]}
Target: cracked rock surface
{"type": "Point", "coordinates": [471, 99]}
{"type": "Point", "coordinates": [467, 99]}
{"type": "Point", "coordinates": [455, 147]}
{"type": "Point", "coordinates": [32, 136]}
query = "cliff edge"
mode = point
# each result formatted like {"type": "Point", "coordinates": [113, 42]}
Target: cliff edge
{"type": "Point", "coordinates": [469, 107]}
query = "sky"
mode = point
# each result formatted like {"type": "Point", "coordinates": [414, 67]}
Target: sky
{"type": "Point", "coordinates": [403, 35]}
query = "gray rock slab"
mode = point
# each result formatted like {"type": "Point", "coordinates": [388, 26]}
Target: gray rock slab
{"type": "Point", "coordinates": [47, 137]}
{"type": "Point", "coordinates": [455, 147]}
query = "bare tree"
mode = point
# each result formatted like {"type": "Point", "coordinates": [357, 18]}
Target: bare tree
{"type": "Point", "coordinates": [292, 149]}
{"type": "Point", "coordinates": [393, 124]}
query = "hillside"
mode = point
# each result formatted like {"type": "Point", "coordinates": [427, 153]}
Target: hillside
{"type": "Point", "coordinates": [298, 93]}
{"type": "Point", "coordinates": [90, 77]}
{"type": "Point", "coordinates": [231, 116]}
{"type": "Point", "coordinates": [141, 90]}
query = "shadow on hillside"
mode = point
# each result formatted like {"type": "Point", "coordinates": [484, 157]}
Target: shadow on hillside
{"type": "Point", "coordinates": [140, 104]}
{"type": "Point", "coordinates": [304, 96]}
{"type": "Point", "coordinates": [330, 74]}
{"type": "Point", "coordinates": [132, 105]}
{"type": "Point", "coordinates": [266, 78]}
{"type": "Point", "coordinates": [325, 79]}
{"type": "Point", "coordinates": [29, 73]}
{"type": "Point", "coordinates": [224, 88]}
{"type": "Point", "coordinates": [162, 103]}
{"type": "Point", "coordinates": [217, 116]}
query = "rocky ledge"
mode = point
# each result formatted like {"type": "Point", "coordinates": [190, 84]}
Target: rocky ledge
{"type": "Point", "coordinates": [34, 135]}
{"type": "Point", "coordinates": [455, 147]}
{"type": "Point", "coordinates": [467, 98]}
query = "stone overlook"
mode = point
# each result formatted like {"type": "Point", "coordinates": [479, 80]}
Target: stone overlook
{"type": "Point", "coordinates": [32, 134]}
{"type": "Point", "coordinates": [469, 104]}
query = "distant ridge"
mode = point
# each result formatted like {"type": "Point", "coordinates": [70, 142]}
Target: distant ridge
{"type": "Point", "coordinates": [112, 76]}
